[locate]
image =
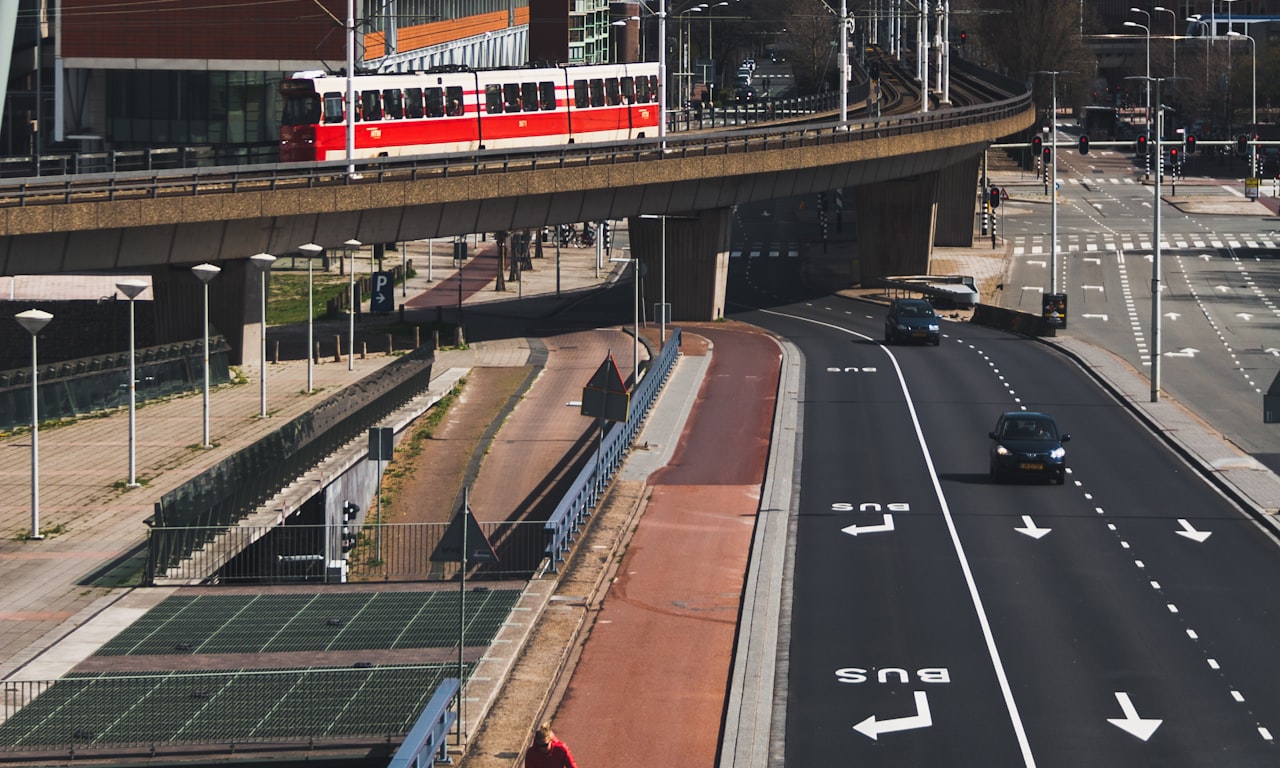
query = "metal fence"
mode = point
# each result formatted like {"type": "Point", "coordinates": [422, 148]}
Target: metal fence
{"type": "Point", "coordinates": [236, 711]}
{"type": "Point", "coordinates": [248, 554]}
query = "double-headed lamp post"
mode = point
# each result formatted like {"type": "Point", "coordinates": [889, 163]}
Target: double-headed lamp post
{"type": "Point", "coordinates": [206, 272]}
{"type": "Point", "coordinates": [34, 320]}
{"type": "Point", "coordinates": [263, 263]}
{"type": "Point", "coordinates": [1253, 114]}
{"type": "Point", "coordinates": [131, 289]}
{"type": "Point", "coordinates": [312, 251]}
{"type": "Point", "coordinates": [1147, 29]}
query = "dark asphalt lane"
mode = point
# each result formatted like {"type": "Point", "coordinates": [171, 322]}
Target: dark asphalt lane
{"type": "Point", "coordinates": [1111, 615]}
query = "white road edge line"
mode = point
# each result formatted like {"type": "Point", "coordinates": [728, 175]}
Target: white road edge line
{"type": "Point", "coordinates": [1001, 676]}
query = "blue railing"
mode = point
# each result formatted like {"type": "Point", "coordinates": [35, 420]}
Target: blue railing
{"type": "Point", "coordinates": [593, 480]}
{"type": "Point", "coordinates": [425, 744]}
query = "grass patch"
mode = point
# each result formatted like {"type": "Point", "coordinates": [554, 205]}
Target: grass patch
{"type": "Point", "coordinates": [287, 299]}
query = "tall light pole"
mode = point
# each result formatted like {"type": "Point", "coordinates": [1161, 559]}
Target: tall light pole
{"type": "Point", "coordinates": [713, 85]}
{"type": "Point", "coordinates": [263, 263]}
{"type": "Point", "coordinates": [34, 320]}
{"type": "Point", "coordinates": [131, 289]}
{"type": "Point", "coordinates": [352, 245]}
{"type": "Point", "coordinates": [351, 88]}
{"type": "Point", "coordinates": [1253, 114]}
{"type": "Point", "coordinates": [1145, 28]}
{"type": "Point", "coordinates": [1053, 184]}
{"type": "Point", "coordinates": [206, 272]}
{"type": "Point", "coordinates": [1174, 37]}
{"type": "Point", "coordinates": [662, 72]}
{"type": "Point", "coordinates": [312, 251]}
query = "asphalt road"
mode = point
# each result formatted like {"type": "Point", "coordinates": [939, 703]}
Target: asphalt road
{"type": "Point", "coordinates": [1122, 619]}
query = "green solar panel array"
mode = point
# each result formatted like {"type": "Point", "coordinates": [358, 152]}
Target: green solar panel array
{"type": "Point", "coordinates": [238, 706]}
{"type": "Point", "coordinates": [207, 624]}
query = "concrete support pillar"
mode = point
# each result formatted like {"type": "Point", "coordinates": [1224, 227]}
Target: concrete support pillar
{"type": "Point", "coordinates": [697, 263]}
{"type": "Point", "coordinates": [895, 226]}
{"type": "Point", "coordinates": [233, 306]}
{"type": "Point", "coordinates": [957, 201]}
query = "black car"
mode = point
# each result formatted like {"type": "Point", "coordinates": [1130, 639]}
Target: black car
{"type": "Point", "coordinates": [1029, 444]}
{"type": "Point", "coordinates": [911, 320]}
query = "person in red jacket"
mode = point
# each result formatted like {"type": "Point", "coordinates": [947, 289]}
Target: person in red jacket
{"type": "Point", "coordinates": [548, 751]}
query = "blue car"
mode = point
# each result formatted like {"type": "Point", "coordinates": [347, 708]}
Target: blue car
{"type": "Point", "coordinates": [1028, 444]}
{"type": "Point", "coordinates": [911, 320]}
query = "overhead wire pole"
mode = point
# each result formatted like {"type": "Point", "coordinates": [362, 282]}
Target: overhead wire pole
{"type": "Point", "coordinates": [662, 74]}
{"type": "Point", "coordinates": [351, 87]}
{"type": "Point", "coordinates": [844, 61]}
{"type": "Point", "coordinates": [1053, 183]}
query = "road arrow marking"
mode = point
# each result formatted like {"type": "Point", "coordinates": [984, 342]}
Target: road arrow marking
{"type": "Point", "coordinates": [1244, 315]}
{"type": "Point", "coordinates": [1096, 317]}
{"type": "Point", "coordinates": [1036, 262]}
{"type": "Point", "coordinates": [1030, 528]}
{"type": "Point", "coordinates": [1091, 288]}
{"type": "Point", "coordinates": [1275, 352]}
{"type": "Point", "coordinates": [1221, 288]}
{"type": "Point", "coordinates": [1184, 352]}
{"type": "Point", "coordinates": [1190, 532]}
{"type": "Point", "coordinates": [1172, 315]}
{"type": "Point", "coordinates": [922, 719]}
{"type": "Point", "coordinates": [1131, 723]}
{"type": "Point", "coordinates": [885, 527]}
{"type": "Point", "coordinates": [1206, 256]}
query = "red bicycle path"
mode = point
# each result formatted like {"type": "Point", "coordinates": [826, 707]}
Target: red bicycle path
{"type": "Point", "coordinates": [653, 677]}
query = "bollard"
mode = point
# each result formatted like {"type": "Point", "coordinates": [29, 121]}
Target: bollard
{"type": "Point", "coordinates": [390, 346]}
{"type": "Point", "coordinates": [315, 353]}
{"type": "Point", "coordinates": [364, 349]}
{"type": "Point", "coordinates": [417, 336]}
{"type": "Point", "coordinates": [435, 339]}
{"type": "Point", "coordinates": [275, 353]}
{"type": "Point", "coordinates": [337, 345]}
{"type": "Point", "coordinates": [458, 338]}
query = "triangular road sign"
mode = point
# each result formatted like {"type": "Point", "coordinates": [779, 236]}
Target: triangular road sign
{"type": "Point", "coordinates": [478, 548]}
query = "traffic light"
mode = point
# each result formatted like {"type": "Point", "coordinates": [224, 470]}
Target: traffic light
{"type": "Point", "coordinates": [1191, 145]}
{"type": "Point", "coordinates": [1036, 143]}
{"type": "Point", "coordinates": [963, 36]}
{"type": "Point", "coordinates": [348, 536]}
{"type": "Point", "coordinates": [1173, 157]}
{"type": "Point", "coordinates": [1142, 144]}
{"type": "Point", "coordinates": [1084, 145]}
{"type": "Point", "coordinates": [994, 196]}
{"type": "Point", "coordinates": [1047, 153]}
{"type": "Point", "coordinates": [606, 235]}
{"type": "Point", "coordinates": [1242, 145]}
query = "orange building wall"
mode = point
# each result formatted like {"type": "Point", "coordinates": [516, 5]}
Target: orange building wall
{"type": "Point", "coordinates": [437, 32]}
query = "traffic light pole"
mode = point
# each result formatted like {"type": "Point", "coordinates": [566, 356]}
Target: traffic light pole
{"type": "Point", "coordinates": [1155, 254]}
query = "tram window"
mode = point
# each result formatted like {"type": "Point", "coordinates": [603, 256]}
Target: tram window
{"type": "Point", "coordinates": [580, 98]}
{"type": "Point", "coordinates": [547, 95]}
{"type": "Point", "coordinates": [511, 97]}
{"type": "Point", "coordinates": [529, 97]}
{"type": "Point", "coordinates": [629, 90]}
{"type": "Point", "coordinates": [453, 97]}
{"type": "Point", "coordinates": [301, 110]}
{"type": "Point", "coordinates": [393, 104]}
{"type": "Point", "coordinates": [433, 102]}
{"type": "Point", "coordinates": [413, 106]}
{"type": "Point", "coordinates": [597, 92]}
{"type": "Point", "coordinates": [333, 112]}
{"type": "Point", "coordinates": [493, 99]}
{"type": "Point", "coordinates": [370, 107]}
{"type": "Point", "coordinates": [613, 96]}
{"type": "Point", "coordinates": [645, 90]}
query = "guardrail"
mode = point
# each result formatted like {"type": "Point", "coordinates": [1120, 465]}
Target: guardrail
{"type": "Point", "coordinates": [425, 744]}
{"type": "Point", "coordinates": [231, 179]}
{"type": "Point", "coordinates": [589, 486]}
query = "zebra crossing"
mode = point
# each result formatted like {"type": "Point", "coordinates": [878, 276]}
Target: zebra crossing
{"type": "Point", "coordinates": [1094, 242]}
{"type": "Point", "coordinates": [766, 250]}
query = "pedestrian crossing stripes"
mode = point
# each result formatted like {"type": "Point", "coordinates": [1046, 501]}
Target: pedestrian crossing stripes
{"type": "Point", "coordinates": [766, 250]}
{"type": "Point", "coordinates": [1034, 245]}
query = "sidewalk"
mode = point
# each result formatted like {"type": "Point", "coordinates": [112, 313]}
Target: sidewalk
{"type": "Point", "coordinates": [93, 525]}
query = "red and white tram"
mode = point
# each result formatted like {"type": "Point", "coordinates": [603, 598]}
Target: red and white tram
{"type": "Point", "coordinates": [458, 111]}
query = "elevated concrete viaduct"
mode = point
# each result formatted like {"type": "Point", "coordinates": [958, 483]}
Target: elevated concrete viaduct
{"type": "Point", "coordinates": [913, 183]}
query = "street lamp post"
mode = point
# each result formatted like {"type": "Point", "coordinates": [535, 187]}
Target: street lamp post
{"type": "Point", "coordinates": [1253, 114]}
{"type": "Point", "coordinates": [713, 84]}
{"type": "Point", "coordinates": [1147, 29]}
{"type": "Point", "coordinates": [263, 262]}
{"type": "Point", "coordinates": [1174, 14]}
{"type": "Point", "coordinates": [1053, 188]}
{"type": "Point", "coordinates": [351, 245]}
{"type": "Point", "coordinates": [206, 272]}
{"type": "Point", "coordinates": [34, 320]}
{"type": "Point", "coordinates": [131, 289]}
{"type": "Point", "coordinates": [312, 251]}
{"type": "Point", "coordinates": [662, 72]}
